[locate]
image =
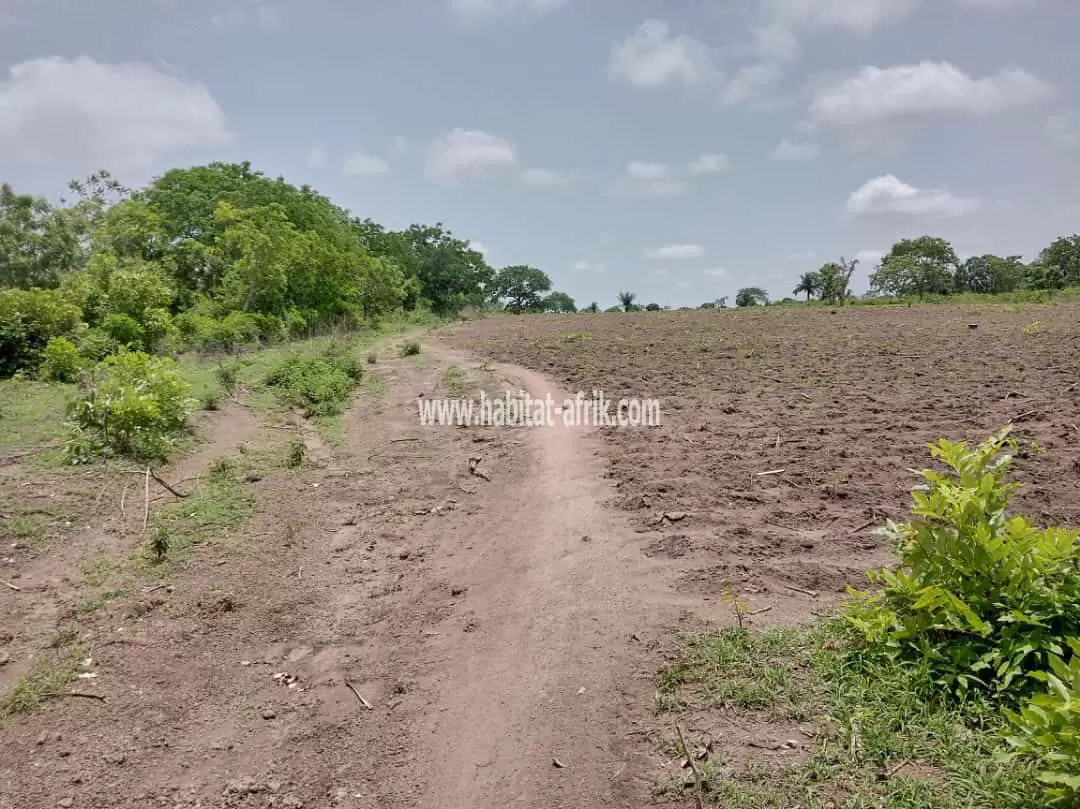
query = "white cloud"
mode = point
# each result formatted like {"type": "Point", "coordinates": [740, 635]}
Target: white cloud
{"type": "Point", "coordinates": [544, 178]}
{"type": "Point", "coordinates": [682, 285]}
{"type": "Point", "coordinates": [801, 255]}
{"type": "Point", "coordinates": [317, 157]}
{"type": "Point", "coordinates": [709, 164]}
{"type": "Point", "coordinates": [480, 248]}
{"type": "Point", "coordinates": [640, 170]}
{"type": "Point", "coordinates": [888, 194]}
{"type": "Point", "coordinates": [468, 152]}
{"type": "Point", "coordinates": [716, 272]}
{"type": "Point", "coordinates": [86, 114]}
{"type": "Point", "coordinates": [653, 57]}
{"type": "Point", "coordinates": [263, 16]}
{"type": "Point", "coordinates": [789, 149]}
{"type": "Point", "coordinates": [647, 179]}
{"type": "Point", "coordinates": [671, 252]}
{"type": "Point", "coordinates": [362, 164]}
{"type": "Point", "coordinates": [588, 266]}
{"type": "Point", "coordinates": [1063, 130]}
{"type": "Point", "coordinates": [877, 95]}
{"type": "Point", "coordinates": [487, 10]}
{"type": "Point", "coordinates": [661, 272]}
{"type": "Point", "coordinates": [400, 145]}
{"type": "Point", "coordinates": [860, 17]}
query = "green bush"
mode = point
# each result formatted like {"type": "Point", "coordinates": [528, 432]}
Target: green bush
{"type": "Point", "coordinates": [95, 344]}
{"type": "Point", "coordinates": [980, 598]}
{"type": "Point", "coordinates": [410, 348]}
{"type": "Point", "coordinates": [123, 329]}
{"type": "Point", "coordinates": [296, 324]}
{"type": "Point", "coordinates": [320, 385]}
{"type": "Point", "coordinates": [29, 318]}
{"type": "Point", "coordinates": [131, 404]}
{"type": "Point", "coordinates": [1047, 729]}
{"type": "Point", "coordinates": [62, 360]}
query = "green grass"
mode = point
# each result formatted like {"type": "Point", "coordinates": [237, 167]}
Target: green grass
{"type": "Point", "coordinates": [50, 674]}
{"type": "Point", "coordinates": [26, 528]}
{"type": "Point", "coordinates": [221, 501]}
{"type": "Point", "coordinates": [94, 604]}
{"type": "Point", "coordinates": [32, 413]}
{"type": "Point", "coordinates": [376, 384]}
{"type": "Point", "coordinates": [456, 382]}
{"type": "Point", "coordinates": [884, 739]}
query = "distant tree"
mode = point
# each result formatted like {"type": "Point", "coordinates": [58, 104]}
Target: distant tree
{"type": "Point", "coordinates": [652, 307]}
{"type": "Point", "coordinates": [708, 305]}
{"type": "Point", "coordinates": [809, 283]}
{"type": "Point", "coordinates": [1062, 261]}
{"type": "Point", "coordinates": [614, 309]}
{"type": "Point", "coordinates": [751, 296]}
{"type": "Point", "coordinates": [923, 266]}
{"type": "Point", "coordinates": [521, 288]}
{"type": "Point", "coordinates": [721, 302]}
{"type": "Point", "coordinates": [626, 301]}
{"type": "Point", "coordinates": [560, 303]}
{"type": "Point", "coordinates": [592, 308]}
{"type": "Point", "coordinates": [990, 274]}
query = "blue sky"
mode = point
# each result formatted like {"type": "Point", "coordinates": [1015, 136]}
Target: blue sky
{"type": "Point", "coordinates": [677, 149]}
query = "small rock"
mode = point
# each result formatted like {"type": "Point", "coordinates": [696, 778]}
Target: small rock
{"type": "Point", "coordinates": [41, 739]}
{"type": "Point", "coordinates": [5, 658]}
{"type": "Point", "coordinates": [586, 538]}
{"type": "Point", "coordinates": [403, 554]}
{"type": "Point", "coordinates": [458, 590]}
{"type": "Point", "coordinates": [791, 744]}
{"type": "Point", "coordinates": [808, 544]}
{"type": "Point", "coordinates": [676, 516]}
{"type": "Point", "coordinates": [269, 713]}
{"type": "Point", "coordinates": [66, 802]}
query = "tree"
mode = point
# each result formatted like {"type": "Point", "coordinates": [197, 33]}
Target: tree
{"type": "Point", "coordinates": [809, 283]}
{"type": "Point", "coordinates": [721, 302]}
{"type": "Point", "coordinates": [990, 274]}
{"type": "Point", "coordinates": [923, 266]}
{"type": "Point", "coordinates": [592, 308]}
{"type": "Point", "coordinates": [521, 288]}
{"type": "Point", "coordinates": [751, 296]}
{"type": "Point", "coordinates": [626, 301]}
{"type": "Point", "coordinates": [708, 305]}
{"type": "Point", "coordinates": [38, 243]}
{"type": "Point", "coordinates": [614, 309]}
{"type": "Point", "coordinates": [652, 307]}
{"type": "Point", "coordinates": [560, 303]}
{"type": "Point", "coordinates": [1062, 261]}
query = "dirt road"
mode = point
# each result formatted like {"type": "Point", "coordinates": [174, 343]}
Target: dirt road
{"type": "Point", "coordinates": [502, 628]}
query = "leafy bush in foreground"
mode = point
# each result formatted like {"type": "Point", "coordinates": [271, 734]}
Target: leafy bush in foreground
{"type": "Point", "coordinates": [321, 385]}
{"type": "Point", "coordinates": [62, 360]}
{"type": "Point", "coordinates": [131, 404]}
{"type": "Point", "coordinates": [986, 604]}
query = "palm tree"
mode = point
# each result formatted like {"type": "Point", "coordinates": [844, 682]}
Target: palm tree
{"type": "Point", "coordinates": [810, 283]}
{"type": "Point", "coordinates": [626, 301]}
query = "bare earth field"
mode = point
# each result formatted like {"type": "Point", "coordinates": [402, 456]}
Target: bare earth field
{"type": "Point", "coordinates": [384, 628]}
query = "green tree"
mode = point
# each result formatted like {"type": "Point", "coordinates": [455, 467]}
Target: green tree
{"type": "Point", "coordinates": [923, 266]}
{"type": "Point", "coordinates": [520, 288]}
{"type": "Point", "coordinates": [1062, 261]}
{"type": "Point", "coordinates": [990, 274]}
{"type": "Point", "coordinates": [809, 283]}
{"type": "Point", "coordinates": [626, 301]}
{"type": "Point", "coordinates": [559, 302]}
{"type": "Point", "coordinates": [652, 307]}
{"type": "Point", "coordinates": [592, 308]}
{"type": "Point", "coordinates": [751, 296]}
{"type": "Point", "coordinates": [38, 244]}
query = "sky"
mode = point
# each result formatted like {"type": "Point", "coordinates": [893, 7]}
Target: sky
{"type": "Point", "coordinates": [679, 149]}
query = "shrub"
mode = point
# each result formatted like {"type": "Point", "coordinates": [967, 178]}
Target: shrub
{"type": "Point", "coordinates": [95, 345]}
{"type": "Point", "coordinates": [980, 599]}
{"type": "Point", "coordinates": [62, 360]}
{"type": "Point", "coordinates": [123, 329]}
{"type": "Point", "coordinates": [131, 404]}
{"type": "Point", "coordinates": [320, 385]}
{"type": "Point", "coordinates": [29, 318]}
{"type": "Point", "coordinates": [296, 325]}
{"type": "Point", "coordinates": [410, 349]}
{"type": "Point", "coordinates": [1047, 729]}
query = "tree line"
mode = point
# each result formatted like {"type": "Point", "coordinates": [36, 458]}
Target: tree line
{"type": "Point", "coordinates": [215, 255]}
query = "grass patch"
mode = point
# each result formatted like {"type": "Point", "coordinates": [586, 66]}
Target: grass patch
{"type": "Point", "coordinates": [32, 413]}
{"type": "Point", "coordinates": [221, 501]}
{"type": "Point", "coordinates": [410, 348]}
{"type": "Point", "coordinates": [94, 604]}
{"type": "Point", "coordinates": [25, 528]}
{"type": "Point", "coordinates": [376, 384]}
{"type": "Point", "coordinates": [884, 737]}
{"type": "Point", "coordinates": [320, 384]}
{"type": "Point", "coordinates": [456, 382]}
{"type": "Point", "coordinates": [50, 674]}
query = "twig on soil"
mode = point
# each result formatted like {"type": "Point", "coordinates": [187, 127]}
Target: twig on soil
{"type": "Point", "coordinates": [760, 610]}
{"type": "Point", "coordinates": [181, 495]}
{"type": "Point", "coordinates": [359, 696]}
{"type": "Point", "coordinates": [1026, 415]}
{"type": "Point", "coordinates": [123, 497]}
{"type": "Point", "coordinates": [806, 396]}
{"type": "Point", "coordinates": [804, 591]}
{"type": "Point", "coordinates": [474, 464]}
{"type": "Point", "coordinates": [693, 767]}
{"type": "Point", "coordinates": [11, 586]}
{"type": "Point", "coordinates": [770, 472]}
{"type": "Point", "coordinates": [399, 440]}
{"type": "Point", "coordinates": [862, 527]}
{"type": "Point", "coordinates": [146, 505]}
{"type": "Point", "coordinates": [155, 588]}
{"type": "Point", "coordinates": [83, 694]}
{"type": "Point", "coordinates": [897, 767]}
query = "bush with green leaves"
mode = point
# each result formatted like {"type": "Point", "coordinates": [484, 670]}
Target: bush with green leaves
{"type": "Point", "coordinates": [980, 598]}
{"type": "Point", "coordinates": [1047, 729]}
{"type": "Point", "coordinates": [131, 404]}
{"type": "Point", "coordinates": [29, 318]}
{"type": "Point", "coordinates": [320, 384]}
{"type": "Point", "coordinates": [63, 362]}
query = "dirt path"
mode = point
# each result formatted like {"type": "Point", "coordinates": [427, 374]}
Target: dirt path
{"type": "Point", "coordinates": [494, 626]}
